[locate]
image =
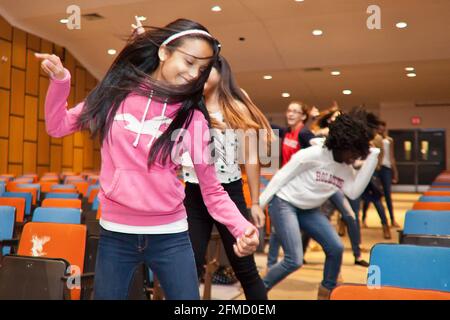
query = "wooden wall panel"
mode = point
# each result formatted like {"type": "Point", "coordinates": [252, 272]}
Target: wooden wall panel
{"type": "Point", "coordinates": [88, 151]}
{"type": "Point", "coordinates": [29, 157]}
{"type": "Point", "coordinates": [43, 151]}
{"type": "Point", "coordinates": [15, 169]}
{"type": "Point", "coordinates": [46, 47]}
{"type": "Point", "coordinates": [3, 156]}
{"type": "Point", "coordinates": [5, 66]}
{"type": "Point", "coordinates": [43, 86]}
{"type": "Point", "coordinates": [32, 74]}
{"type": "Point", "coordinates": [31, 111]}
{"type": "Point", "coordinates": [67, 157]}
{"type": "Point", "coordinates": [4, 113]}
{"type": "Point", "coordinates": [80, 85]}
{"type": "Point", "coordinates": [16, 139]}
{"type": "Point", "coordinates": [97, 160]}
{"type": "Point", "coordinates": [25, 145]}
{"type": "Point", "coordinates": [17, 91]}
{"type": "Point", "coordinates": [5, 29]}
{"type": "Point", "coordinates": [55, 158]}
{"type": "Point", "coordinates": [69, 63]}
{"type": "Point", "coordinates": [34, 42]}
{"type": "Point", "coordinates": [19, 48]}
{"type": "Point", "coordinates": [77, 160]}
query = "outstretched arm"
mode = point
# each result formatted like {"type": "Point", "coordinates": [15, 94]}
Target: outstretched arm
{"type": "Point", "coordinates": [59, 121]}
{"type": "Point", "coordinates": [354, 186]}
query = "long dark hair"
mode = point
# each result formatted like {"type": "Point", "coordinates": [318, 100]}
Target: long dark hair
{"type": "Point", "coordinates": [130, 73]}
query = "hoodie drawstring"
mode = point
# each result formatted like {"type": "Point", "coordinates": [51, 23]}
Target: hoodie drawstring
{"type": "Point", "coordinates": [136, 141]}
{"type": "Point", "coordinates": [159, 124]}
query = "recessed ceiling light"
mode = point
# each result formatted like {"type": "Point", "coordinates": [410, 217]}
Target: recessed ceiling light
{"type": "Point", "coordinates": [347, 92]}
{"type": "Point", "coordinates": [401, 25]}
{"type": "Point", "coordinates": [285, 95]}
{"type": "Point", "coordinates": [335, 73]}
{"type": "Point", "coordinates": [299, 0]}
{"type": "Point", "coordinates": [64, 21]}
{"type": "Point", "coordinates": [411, 75]}
{"type": "Point", "coordinates": [317, 32]}
{"type": "Point", "coordinates": [142, 18]}
{"type": "Point", "coordinates": [112, 52]}
{"type": "Point", "coordinates": [409, 69]}
{"type": "Point", "coordinates": [216, 9]}
{"type": "Point", "coordinates": [267, 77]}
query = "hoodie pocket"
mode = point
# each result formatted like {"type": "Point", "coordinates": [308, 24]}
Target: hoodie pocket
{"type": "Point", "coordinates": [157, 191]}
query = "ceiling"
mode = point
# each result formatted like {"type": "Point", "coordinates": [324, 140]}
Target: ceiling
{"type": "Point", "coordinates": [278, 41]}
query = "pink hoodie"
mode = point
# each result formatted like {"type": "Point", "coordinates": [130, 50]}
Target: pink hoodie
{"type": "Point", "coordinates": [130, 193]}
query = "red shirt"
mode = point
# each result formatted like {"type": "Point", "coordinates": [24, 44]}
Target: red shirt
{"type": "Point", "coordinates": [290, 145]}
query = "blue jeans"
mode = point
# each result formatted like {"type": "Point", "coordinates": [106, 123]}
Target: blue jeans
{"type": "Point", "coordinates": [274, 248]}
{"type": "Point", "coordinates": [287, 221]}
{"type": "Point", "coordinates": [353, 227]}
{"type": "Point", "coordinates": [170, 257]}
{"type": "Point", "coordinates": [386, 181]}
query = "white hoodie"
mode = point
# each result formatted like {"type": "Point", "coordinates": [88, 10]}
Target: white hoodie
{"type": "Point", "coordinates": [312, 176]}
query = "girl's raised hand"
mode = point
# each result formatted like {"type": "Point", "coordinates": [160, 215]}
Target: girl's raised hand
{"type": "Point", "coordinates": [52, 65]}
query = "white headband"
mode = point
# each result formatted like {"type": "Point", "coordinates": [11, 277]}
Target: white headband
{"type": "Point", "coordinates": [185, 33]}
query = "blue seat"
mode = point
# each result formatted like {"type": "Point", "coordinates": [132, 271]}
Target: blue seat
{"type": "Point", "coordinates": [63, 186]}
{"type": "Point", "coordinates": [90, 188]}
{"type": "Point", "coordinates": [409, 266]}
{"type": "Point", "coordinates": [55, 195]}
{"type": "Point", "coordinates": [2, 188]}
{"type": "Point", "coordinates": [26, 195]}
{"type": "Point", "coordinates": [7, 219]}
{"type": "Point", "coordinates": [32, 186]}
{"type": "Point", "coordinates": [441, 184]}
{"type": "Point", "coordinates": [95, 203]}
{"type": "Point", "coordinates": [427, 222]}
{"type": "Point", "coordinates": [57, 215]}
{"type": "Point", "coordinates": [434, 199]}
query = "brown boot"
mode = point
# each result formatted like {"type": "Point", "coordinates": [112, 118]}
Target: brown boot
{"type": "Point", "coordinates": [323, 293]}
{"type": "Point", "coordinates": [386, 232]}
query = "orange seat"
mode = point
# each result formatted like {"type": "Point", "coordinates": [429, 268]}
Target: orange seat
{"type": "Point", "coordinates": [18, 203]}
{"type": "Point", "coordinates": [92, 195]}
{"type": "Point", "coordinates": [438, 187]}
{"type": "Point", "coordinates": [437, 193]}
{"type": "Point", "coordinates": [62, 203]}
{"type": "Point", "coordinates": [46, 186]}
{"type": "Point", "coordinates": [82, 187]}
{"type": "Point", "coordinates": [431, 206]}
{"type": "Point", "coordinates": [33, 192]}
{"type": "Point", "coordinates": [64, 190]}
{"type": "Point", "coordinates": [55, 240]}
{"type": "Point", "coordinates": [362, 292]}
{"type": "Point", "coordinates": [99, 213]}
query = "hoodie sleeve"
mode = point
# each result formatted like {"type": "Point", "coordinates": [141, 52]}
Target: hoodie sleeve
{"type": "Point", "coordinates": [59, 121]}
{"type": "Point", "coordinates": [300, 161]}
{"type": "Point", "coordinates": [216, 199]}
{"type": "Point", "coordinates": [355, 185]}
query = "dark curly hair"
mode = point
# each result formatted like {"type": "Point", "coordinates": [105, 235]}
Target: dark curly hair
{"type": "Point", "coordinates": [348, 133]}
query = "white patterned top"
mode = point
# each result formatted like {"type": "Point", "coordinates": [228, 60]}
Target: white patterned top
{"type": "Point", "coordinates": [226, 156]}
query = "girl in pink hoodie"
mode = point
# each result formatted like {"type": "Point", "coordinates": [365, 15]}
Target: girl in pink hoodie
{"type": "Point", "coordinates": [148, 104]}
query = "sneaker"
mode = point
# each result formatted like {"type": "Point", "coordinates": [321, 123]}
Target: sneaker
{"type": "Point", "coordinates": [361, 262]}
{"type": "Point", "coordinates": [323, 293]}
